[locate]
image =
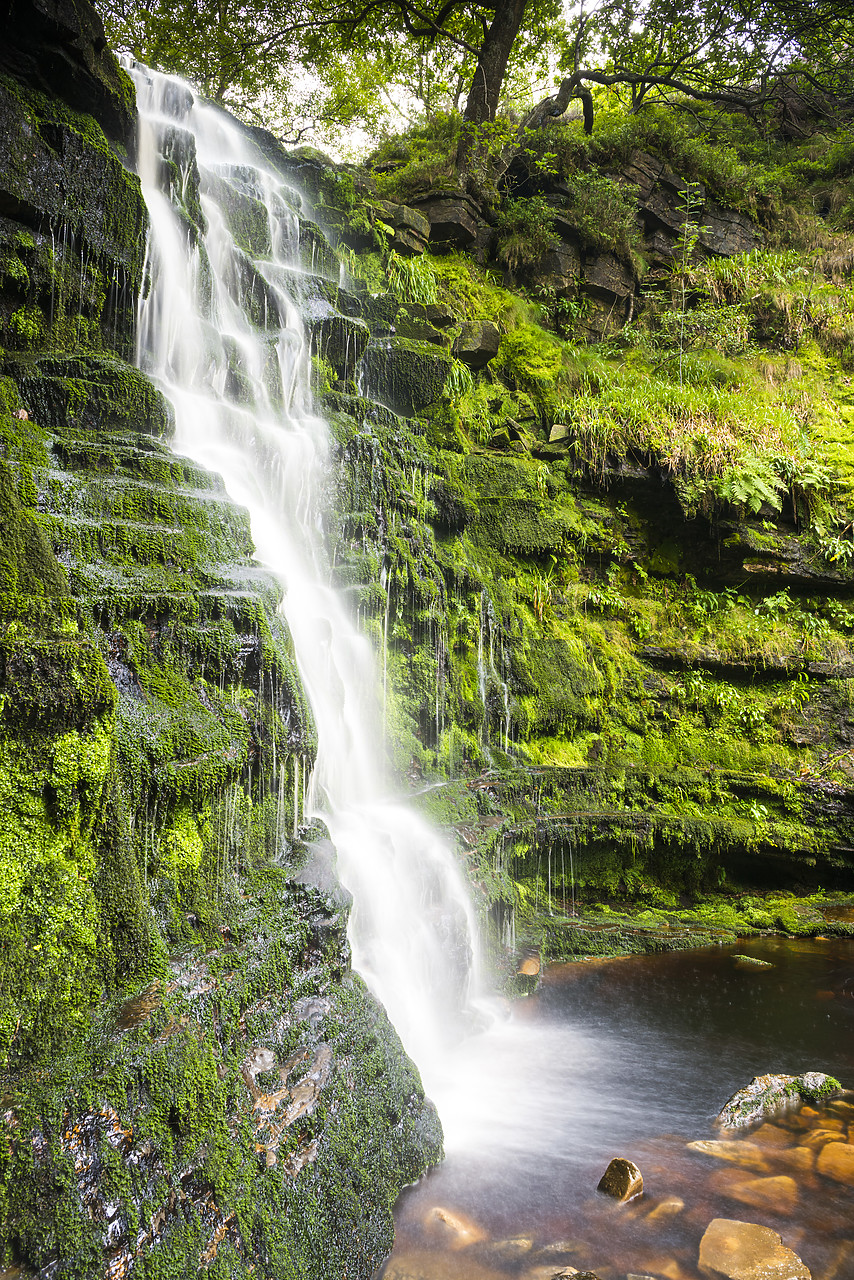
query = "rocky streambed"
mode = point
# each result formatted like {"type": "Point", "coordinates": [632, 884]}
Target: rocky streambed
{"type": "Point", "coordinates": [634, 1058]}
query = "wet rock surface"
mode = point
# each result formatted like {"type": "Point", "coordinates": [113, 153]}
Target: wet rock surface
{"type": "Point", "coordinates": [622, 1180]}
{"type": "Point", "coordinates": [733, 1250]}
{"type": "Point", "coordinates": [768, 1094]}
{"type": "Point", "coordinates": [403, 374]}
{"type": "Point", "coordinates": [58, 47]}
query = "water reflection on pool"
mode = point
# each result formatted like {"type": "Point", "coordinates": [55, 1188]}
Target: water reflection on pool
{"type": "Point", "coordinates": [635, 1058]}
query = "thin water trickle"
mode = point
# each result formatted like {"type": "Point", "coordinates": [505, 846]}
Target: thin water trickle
{"type": "Point", "coordinates": [243, 407]}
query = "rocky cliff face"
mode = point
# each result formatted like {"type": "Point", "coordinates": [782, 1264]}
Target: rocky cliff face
{"type": "Point", "coordinates": [613, 601]}
{"type": "Point", "coordinates": [194, 1076]}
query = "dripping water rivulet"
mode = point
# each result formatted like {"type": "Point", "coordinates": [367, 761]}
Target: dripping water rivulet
{"type": "Point", "coordinates": [239, 384]}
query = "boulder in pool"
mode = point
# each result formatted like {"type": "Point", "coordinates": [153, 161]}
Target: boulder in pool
{"type": "Point", "coordinates": [836, 1161]}
{"type": "Point", "coordinates": [452, 1228]}
{"type": "Point", "coordinates": [622, 1180]}
{"type": "Point", "coordinates": [766, 1095]}
{"type": "Point", "coordinates": [733, 1250]}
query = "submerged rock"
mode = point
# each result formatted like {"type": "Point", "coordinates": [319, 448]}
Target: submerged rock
{"type": "Point", "coordinates": [423, 1265]}
{"type": "Point", "coordinates": [776, 1195]}
{"type": "Point", "coordinates": [622, 1180]}
{"type": "Point", "coordinates": [748, 1155]}
{"type": "Point", "coordinates": [507, 1252]}
{"type": "Point", "coordinates": [561, 1253]}
{"type": "Point", "coordinates": [836, 1161]}
{"type": "Point", "coordinates": [455, 1230]}
{"type": "Point", "coordinates": [667, 1208]}
{"type": "Point", "coordinates": [767, 1094]}
{"type": "Point", "coordinates": [733, 1250]}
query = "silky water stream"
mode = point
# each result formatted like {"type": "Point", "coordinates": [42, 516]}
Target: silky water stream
{"type": "Point", "coordinates": [220, 332]}
{"type": "Point", "coordinates": [628, 1057]}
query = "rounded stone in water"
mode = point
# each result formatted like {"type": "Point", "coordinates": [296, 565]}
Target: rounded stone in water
{"type": "Point", "coordinates": [733, 1250]}
{"type": "Point", "coordinates": [622, 1180]}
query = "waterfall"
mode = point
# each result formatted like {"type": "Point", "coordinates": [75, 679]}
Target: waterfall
{"type": "Point", "coordinates": [238, 379]}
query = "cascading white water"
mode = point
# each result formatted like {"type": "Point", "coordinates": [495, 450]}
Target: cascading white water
{"type": "Point", "coordinates": [240, 392]}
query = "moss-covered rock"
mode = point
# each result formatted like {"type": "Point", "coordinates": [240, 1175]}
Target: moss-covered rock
{"type": "Point", "coordinates": [254, 1113]}
{"type": "Point", "coordinates": [404, 374]}
{"type": "Point", "coordinates": [58, 47]}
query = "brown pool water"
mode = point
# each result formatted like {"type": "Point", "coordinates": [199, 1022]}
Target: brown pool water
{"type": "Point", "coordinates": [634, 1058]}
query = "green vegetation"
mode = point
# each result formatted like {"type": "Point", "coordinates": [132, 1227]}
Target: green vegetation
{"type": "Point", "coordinates": [629, 554]}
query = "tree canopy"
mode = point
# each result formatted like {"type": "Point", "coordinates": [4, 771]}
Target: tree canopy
{"type": "Point", "coordinates": [316, 64]}
{"type": "Point", "coordinates": [789, 58]}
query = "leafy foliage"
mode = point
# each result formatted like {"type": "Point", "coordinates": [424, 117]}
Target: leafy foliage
{"type": "Point", "coordinates": [525, 232]}
{"type": "Point", "coordinates": [412, 279]}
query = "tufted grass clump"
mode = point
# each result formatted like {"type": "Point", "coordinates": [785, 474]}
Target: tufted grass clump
{"type": "Point", "coordinates": [525, 232]}
{"type": "Point", "coordinates": [412, 279]}
{"type": "Point", "coordinates": [419, 160]}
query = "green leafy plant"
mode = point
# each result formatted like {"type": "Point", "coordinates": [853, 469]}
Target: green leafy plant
{"type": "Point", "coordinates": [751, 485]}
{"type": "Point", "coordinates": [525, 232]}
{"type": "Point", "coordinates": [686, 243]}
{"type": "Point", "coordinates": [776, 606]}
{"type": "Point", "coordinates": [722, 328]}
{"type": "Point", "coordinates": [412, 279]}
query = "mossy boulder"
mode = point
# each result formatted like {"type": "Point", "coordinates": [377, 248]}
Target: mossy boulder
{"type": "Point", "coordinates": [257, 1110]}
{"type": "Point", "coordinates": [338, 340]}
{"type": "Point", "coordinates": [27, 563]}
{"type": "Point", "coordinates": [405, 375]}
{"type": "Point", "coordinates": [59, 48]}
{"type": "Point", "coordinates": [93, 394]}
{"type": "Point", "coordinates": [766, 1095]}
{"type": "Point", "coordinates": [58, 167]}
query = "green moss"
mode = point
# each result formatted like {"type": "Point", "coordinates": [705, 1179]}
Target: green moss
{"type": "Point", "coordinates": [26, 327]}
{"type": "Point", "coordinates": [27, 565]}
{"type": "Point", "coordinates": [531, 358]}
{"type": "Point", "coordinates": [55, 958]}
